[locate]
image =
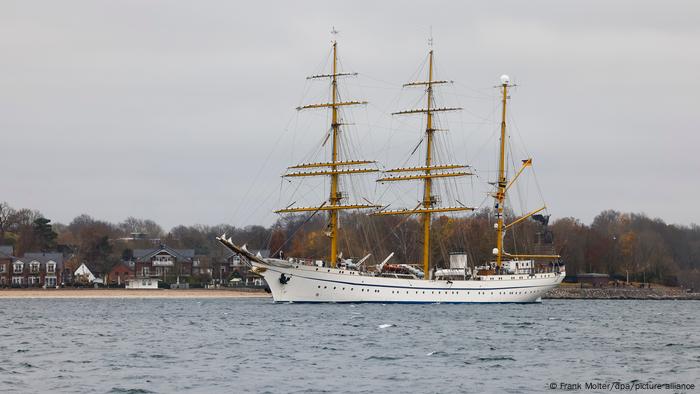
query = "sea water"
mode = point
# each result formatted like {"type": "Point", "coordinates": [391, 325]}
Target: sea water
{"type": "Point", "coordinates": [255, 345]}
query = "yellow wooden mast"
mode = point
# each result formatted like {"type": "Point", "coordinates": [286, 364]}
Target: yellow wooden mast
{"type": "Point", "coordinates": [332, 168]}
{"type": "Point", "coordinates": [429, 171]}
{"type": "Point", "coordinates": [502, 182]}
{"type": "Point", "coordinates": [503, 185]}
{"type": "Point", "coordinates": [334, 198]}
{"type": "Point", "coordinates": [428, 182]}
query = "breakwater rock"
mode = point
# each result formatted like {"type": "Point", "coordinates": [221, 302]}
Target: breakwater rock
{"type": "Point", "coordinates": [621, 293]}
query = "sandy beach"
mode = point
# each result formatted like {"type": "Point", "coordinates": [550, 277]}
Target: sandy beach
{"type": "Point", "coordinates": [132, 293]}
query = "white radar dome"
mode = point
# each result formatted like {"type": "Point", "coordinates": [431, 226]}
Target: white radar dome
{"type": "Point", "coordinates": [495, 251]}
{"type": "Point", "coordinates": [505, 80]}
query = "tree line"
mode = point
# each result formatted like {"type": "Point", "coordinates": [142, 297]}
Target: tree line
{"type": "Point", "coordinates": [623, 245]}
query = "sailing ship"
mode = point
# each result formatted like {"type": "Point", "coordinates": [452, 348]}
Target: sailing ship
{"type": "Point", "coordinates": [509, 278]}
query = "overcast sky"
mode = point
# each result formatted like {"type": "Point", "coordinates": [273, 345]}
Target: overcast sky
{"type": "Point", "coordinates": [183, 111]}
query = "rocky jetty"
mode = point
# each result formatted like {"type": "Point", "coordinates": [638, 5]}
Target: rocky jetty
{"type": "Point", "coordinates": [621, 293]}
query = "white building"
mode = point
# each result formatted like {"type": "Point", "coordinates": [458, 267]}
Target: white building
{"type": "Point", "coordinates": [85, 272]}
{"type": "Point", "coordinates": [142, 283]}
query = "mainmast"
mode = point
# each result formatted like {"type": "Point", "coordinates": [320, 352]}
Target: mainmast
{"type": "Point", "coordinates": [429, 171]}
{"type": "Point", "coordinates": [504, 184]}
{"type": "Point", "coordinates": [336, 166]}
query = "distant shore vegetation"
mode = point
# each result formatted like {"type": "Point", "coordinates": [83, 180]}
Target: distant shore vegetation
{"type": "Point", "coordinates": [622, 245]}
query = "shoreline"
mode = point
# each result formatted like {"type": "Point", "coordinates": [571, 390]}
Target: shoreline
{"type": "Point", "coordinates": [559, 293]}
{"type": "Point", "coordinates": [617, 293]}
{"type": "Point", "coordinates": [130, 293]}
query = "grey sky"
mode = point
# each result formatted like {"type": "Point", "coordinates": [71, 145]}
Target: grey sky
{"type": "Point", "coordinates": [170, 110]}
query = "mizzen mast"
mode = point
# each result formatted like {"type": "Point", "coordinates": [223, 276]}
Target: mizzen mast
{"type": "Point", "coordinates": [429, 171]}
{"type": "Point", "coordinates": [504, 184]}
{"type": "Point", "coordinates": [336, 166]}
{"type": "Point", "coordinates": [500, 195]}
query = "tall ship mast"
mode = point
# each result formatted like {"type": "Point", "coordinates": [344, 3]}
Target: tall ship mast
{"type": "Point", "coordinates": [502, 187]}
{"type": "Point", "coordinates": [510, 278]}
{"type": "Point", "coordinates": [430, 170]}
{"type": "Point", "coordinates": [334, 168]}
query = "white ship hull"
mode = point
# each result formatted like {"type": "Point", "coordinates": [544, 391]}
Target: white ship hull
{"type": "Point", "coordinates": [302, 283]}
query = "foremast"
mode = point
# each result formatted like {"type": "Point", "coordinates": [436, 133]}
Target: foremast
{"type": "Point", "coordinates": [429, 171]}
{"type": "Point", "coordinates": [504, 184]}
{"type": "Point", "coordinates": [336, 166]}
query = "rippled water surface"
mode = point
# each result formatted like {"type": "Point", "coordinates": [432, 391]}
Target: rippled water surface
{"type": "Point", "coordinates": [253, 345]}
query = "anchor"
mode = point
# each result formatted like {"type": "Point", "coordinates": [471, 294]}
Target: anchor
{"type": "Point", "coordinates": [284, 279]}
